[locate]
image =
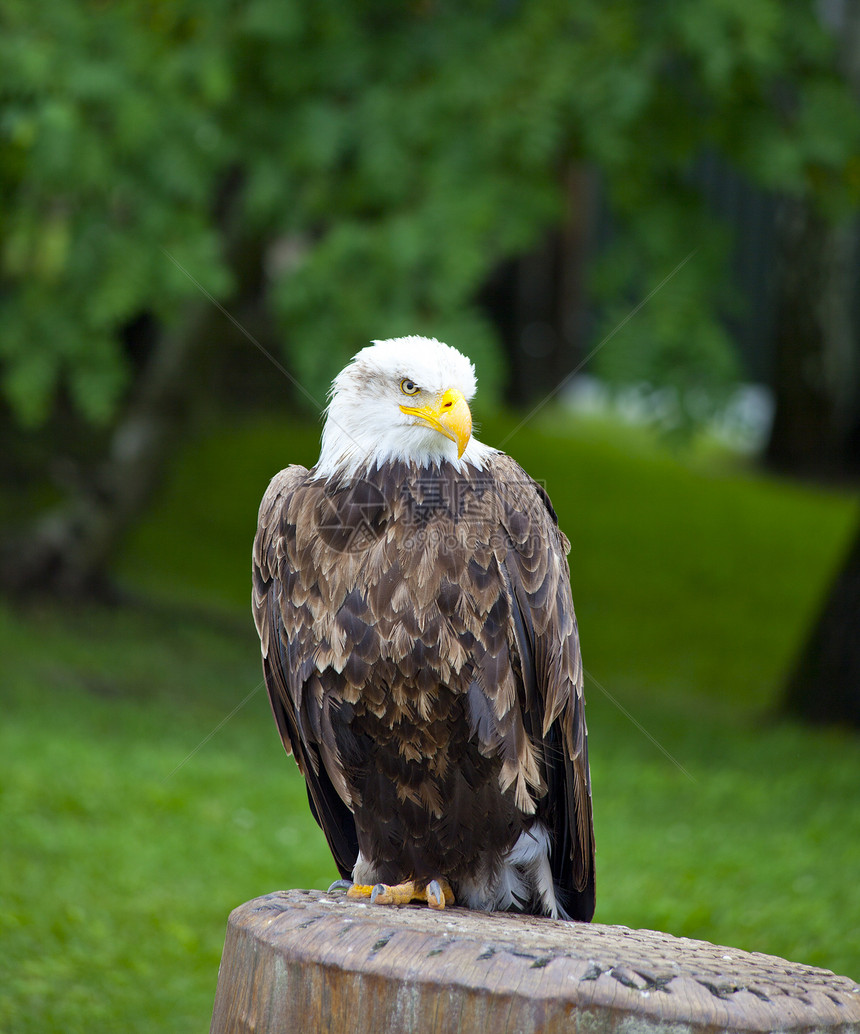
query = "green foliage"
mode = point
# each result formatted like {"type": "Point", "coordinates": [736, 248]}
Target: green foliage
{"type": "Point", "coordinates": [130, 833]}
{"type": "Point", "coordinates": [384, 157]}
{"type": "Point", "coordinates": [110, 150]}
{"type": "Point", "coordinates": [672, 341]}
{"type": "Point", "coordinates": [739, 79]}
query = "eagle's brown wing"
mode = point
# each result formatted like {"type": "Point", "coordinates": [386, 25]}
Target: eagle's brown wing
{"type": "Point", "coordinates": [551, 677]}
{"type": "Point", "coordinates": [284, 626]}
{"type": "Point", "coordinates": [465, 587]}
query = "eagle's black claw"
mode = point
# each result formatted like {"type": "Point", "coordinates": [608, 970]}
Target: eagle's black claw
{"type": "Point", "coordinates": [380, 888]}
{"type": "Point", "coordinates": [339, 885]}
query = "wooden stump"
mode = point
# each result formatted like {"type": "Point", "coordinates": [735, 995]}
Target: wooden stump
{"type": "Point", "coordinates": [305, 961]}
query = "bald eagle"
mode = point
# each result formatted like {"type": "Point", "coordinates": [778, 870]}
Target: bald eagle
{"type": "Point", "coordinates": [420, 649]}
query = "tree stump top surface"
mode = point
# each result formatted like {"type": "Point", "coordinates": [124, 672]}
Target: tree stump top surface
{"type": "Point", "coordinates": [347, 965]}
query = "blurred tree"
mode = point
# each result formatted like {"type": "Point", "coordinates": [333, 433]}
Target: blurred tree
{"type": "Point", "coordinates": [538, 300]}
{"type": "Point", "coordinates": [816, 428]}
{"type": "Point", "coordinates": [356, 171]}
{"type": "Point", "coordinates": [111, 151]}
{"type": "Point", "coordinates": [825, 683]}
{"type": "Point", "coordinates": [816, 382]}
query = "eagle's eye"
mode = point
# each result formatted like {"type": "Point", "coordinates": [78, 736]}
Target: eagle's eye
{"type": "Point", "coordinates": [408, 388]}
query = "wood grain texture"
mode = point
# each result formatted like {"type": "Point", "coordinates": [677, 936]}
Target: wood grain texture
{"type": "Point", "coordinates": [308, 961]}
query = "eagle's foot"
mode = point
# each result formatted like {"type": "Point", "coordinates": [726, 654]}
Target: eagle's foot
{"type": "Point", "coordinates": [396, 894]}
{"type": "Point", "coordinates": [437, 893]}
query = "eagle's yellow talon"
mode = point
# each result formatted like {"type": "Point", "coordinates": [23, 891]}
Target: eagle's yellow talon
{"type": "Point", "coordinates": [437, 893]}
{"type": "Point", "coordinates": [359, 890]}
{"type": "Point", "coordinates": [396, 894]}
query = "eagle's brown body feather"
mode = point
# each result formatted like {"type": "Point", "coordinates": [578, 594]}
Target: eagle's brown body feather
{"type": "Point", "coordinates": [422, 659]}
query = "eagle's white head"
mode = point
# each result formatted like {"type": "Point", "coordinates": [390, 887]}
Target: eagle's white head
{"type": "Point", "coordinates": [402, 399]}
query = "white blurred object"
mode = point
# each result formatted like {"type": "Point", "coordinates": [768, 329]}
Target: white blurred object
{"type": "Point", "coordinates": [743, 423]}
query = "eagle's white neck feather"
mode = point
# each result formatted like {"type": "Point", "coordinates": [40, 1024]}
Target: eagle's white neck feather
{"type": "Point", "coordinates": [364, 425]}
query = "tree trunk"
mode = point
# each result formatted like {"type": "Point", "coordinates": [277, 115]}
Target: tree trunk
{"type": "Point", "coordinates": [69, 550]}
{"type": "Point", "coordinates": [816, 360]}
{"type": "Point", "coordinates": [816, 428]}
{"type": "Point", "coordinates": [825, 683]}
{"type": "Point", "coordinates": [537, 300]}
{"type": "Point", "coordinates": [302, 960]}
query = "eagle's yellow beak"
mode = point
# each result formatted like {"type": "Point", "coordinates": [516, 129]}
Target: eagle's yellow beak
{"type": "Point", "coordinates": [450, 416]}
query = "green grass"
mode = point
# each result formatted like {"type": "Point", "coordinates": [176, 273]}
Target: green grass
{"type": "Point", "coordinates": [118, 868]}
{"type": "Point", "coordinates": [124, 846]}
